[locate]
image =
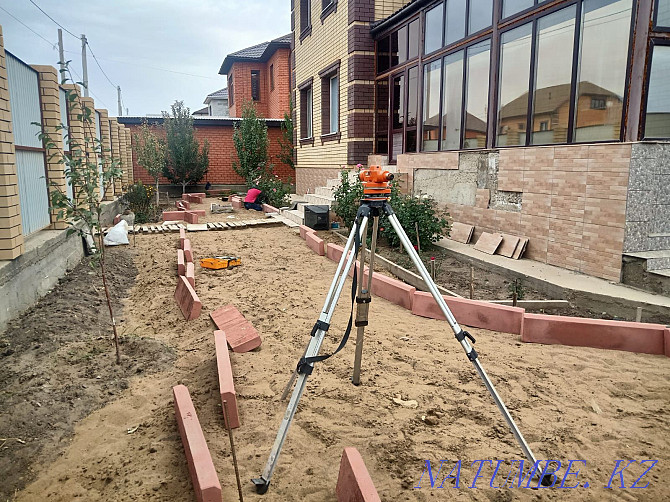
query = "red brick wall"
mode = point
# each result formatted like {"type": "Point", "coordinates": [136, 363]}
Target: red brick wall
{"type": "Point", "coordinates": [278, 100]}
{"type": "Point", "coordinates": [221, 156]}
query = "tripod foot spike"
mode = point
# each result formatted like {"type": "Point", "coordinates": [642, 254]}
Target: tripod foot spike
{"type": "Point", "coordinates": [261, 485]}
{"type": "Point", "coordinates": [548, 479]}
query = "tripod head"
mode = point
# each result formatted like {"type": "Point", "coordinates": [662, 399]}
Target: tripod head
{"type": "Point", "coordinates": [376, 184]}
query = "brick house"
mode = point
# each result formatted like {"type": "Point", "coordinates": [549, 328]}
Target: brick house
{"type": "Point", "coordinates": [260, 74]}
{"type": "Point", "coordinates": [547, 119]}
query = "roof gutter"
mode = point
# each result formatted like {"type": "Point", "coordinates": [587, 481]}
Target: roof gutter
{"type": "Point", "coordinates": [396, 17]}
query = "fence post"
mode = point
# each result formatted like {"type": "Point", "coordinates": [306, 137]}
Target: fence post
{"type": "Point", "coordinates": [106, 149]}
{"type": "Point", "coordinates": [122, 155]}
{"type": "Point", "coordinates": [51, 119]}
{"type": "Point", "coordinates": [76, 131]}
{"type": "Point", "coordinates": [11, 233]}
{"type": "Point", "coordinates": [116, 151]}
{"type": "Point", "coordinates": [129, 150]}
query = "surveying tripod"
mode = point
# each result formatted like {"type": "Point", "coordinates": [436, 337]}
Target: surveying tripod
{"type": "Point", "coordinates": [376, 193]}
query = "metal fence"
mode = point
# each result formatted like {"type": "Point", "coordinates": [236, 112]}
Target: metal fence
{"type": "Point", "coordinates": [24, 96]}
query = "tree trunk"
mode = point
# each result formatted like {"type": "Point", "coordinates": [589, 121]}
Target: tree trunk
{"type": "Point", "coordinates": [109, 299]}
{"type": "Point", "coordinates": [183, 187]}
{"type": "Point", "coordinates": [157, 197]}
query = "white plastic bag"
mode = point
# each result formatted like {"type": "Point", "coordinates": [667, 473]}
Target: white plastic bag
{"type": "Point", "coordinates": [117, 235]}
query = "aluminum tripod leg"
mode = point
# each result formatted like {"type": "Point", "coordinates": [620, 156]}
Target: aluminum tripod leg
{"type": "Point", "coordinates": [469, 351]}
{"type": "Point", "coordinates": [343, 268]}
{"type": "Point", "coordinates": [363, 301]}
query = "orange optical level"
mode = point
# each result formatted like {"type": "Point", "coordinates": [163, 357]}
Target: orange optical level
{"type": "Point", "coordinates": [376, 183]}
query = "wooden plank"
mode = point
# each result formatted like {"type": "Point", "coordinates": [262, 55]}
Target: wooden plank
{"type": "Point", "coordinates": [488, 243]}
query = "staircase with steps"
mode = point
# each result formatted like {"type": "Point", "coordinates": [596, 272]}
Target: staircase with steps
{"type": "Point", "coordinates": [322, 196]}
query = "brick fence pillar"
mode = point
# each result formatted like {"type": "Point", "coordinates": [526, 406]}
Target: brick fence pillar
{"type": "Point", "coordinates": [90, 133]}
{"type": "Point", "coordinates": [76, 144]}
{"type": "Point", "coordinates": [106, 149]}
{"type": "Point", "coordinates": [116, 152]}
{"type": "Point", "coordinates": [123, 154]}
{"type": "Point", "coordinates": [129, 150]}
{"type": "Point", "coordinates": [11, 233]}
{"type": "Point", "coordinates": [51, 119]}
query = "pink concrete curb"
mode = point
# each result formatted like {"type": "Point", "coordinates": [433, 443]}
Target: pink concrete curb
{"type": "Point", "coordinates": [236, 202]}
{"type": "Point", "coordinates": [473, 313]}
{"type": "Point", "coordinates": [267, 208]}
{"type": "Point", "coordinates": [188, 252]}
{"type": "Point", "coordinates": [391, 289]}
{"type": "Point", "coordinates": [226, 383]}
{"type": "Point", "coordinates": [187, 299]}
{"type": "Point", "coordinates": [182, 237]}
{"type": "Point", "coordinates": [181, 266]}
{"type": "Point", "coordinates": [667, 342]}
{"type": "Point", "coordinates": [354, 483]}
{"type": "Point", "coordinates": [304, 230]}
{"type": "Point", "coordinates": [200, 465]}
{"type": "Point", "coordinates": [597, 333]}
{"type": "Point", "coordinates": [190, 217]}
{"type": "Point", "coordinates": [190, 274]}
{"type": "Point", "coordinates": [315, 244]}
{"type": "Point", "coordinates": [334, 252]}
{"type": "Point", "coordinates": [183, 204]}
{"type": "Point", "coordinates": [173, 216]}
{"type": "Point", "coordinates": [240, 333]}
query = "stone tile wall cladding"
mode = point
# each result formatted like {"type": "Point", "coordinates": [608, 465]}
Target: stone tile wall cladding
{"type": "Point", "coordinates": [573, 202]}
{"type": "Point", "coordinates": [342, 35]}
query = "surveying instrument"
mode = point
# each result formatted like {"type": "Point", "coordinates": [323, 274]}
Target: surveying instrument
{"type": "Point", "coordinates": [375, 203]}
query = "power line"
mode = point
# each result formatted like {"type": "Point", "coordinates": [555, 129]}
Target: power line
{"type": "Point", "coordinates": [97, 63]}
{"type": "Point", "coordinates": [28, 27]}
{"type": "Point", "coordinates": [47, 15]}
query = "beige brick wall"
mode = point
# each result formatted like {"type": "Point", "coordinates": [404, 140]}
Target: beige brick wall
{"type": "Point", "coordinates": [11, 236]}
{"type": "Point", "coordinates": [384, 8]}
{"type": "Point", "coordinates": [51, 119]}
{"type": "Point", "coordinates": [106, 148]}
{"type": "Point", "coordinates": [573, 207]}
{"type": "Point", "coordinates": [116, 152]}
{"type": "Point", "coordinates": [129, 156]}
{"type": "Point", "coordinates": [123, 158]}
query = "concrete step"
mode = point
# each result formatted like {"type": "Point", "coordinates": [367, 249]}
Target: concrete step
{"type": "Point", "coordinates": [655, 260]}
{"type": "Point", "coordinates": [658, 242]}
{"type": "Point", "coordinates": [324, 191]}
{"type": "Point", "coordinates": [333, 183]}
{"type": "Point", "coordinates": [663, 272]}
{"type": "Point", "coordinates": [319, 200]}
{"type": "Point", "coordinates": [293, 215]}
{"type": "Point", "coordinates": [289, 222]}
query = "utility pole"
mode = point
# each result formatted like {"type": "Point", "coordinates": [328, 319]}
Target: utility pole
{"type": "Point", "coordinates": [61, 56]}
{"type": "Point", "coordinates": [84, 67]}
{"type": "Point", "coordinates": [118, 93]}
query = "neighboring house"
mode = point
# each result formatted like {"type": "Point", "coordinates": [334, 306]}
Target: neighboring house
{"type": "Point", "coordinates": [217, 103]}
{"type": "Point", "coordinates": [259, 74]}
{"type": "Point", "coordinates": [202, 112]}
{"type": "Point", "coordinates": [527, 117]}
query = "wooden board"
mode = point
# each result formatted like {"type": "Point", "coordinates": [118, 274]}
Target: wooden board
{"type": "Point", "coordinates": [508, 245]}
{"type": "Point", "coordinates": [520, 248]}
{"type": "Point", "coordinates": [488, 243]}
{"type": "Point", "coordinates": [460, 232]}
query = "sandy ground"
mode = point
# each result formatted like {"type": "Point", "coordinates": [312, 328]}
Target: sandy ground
{"type": "Point", "coordinates": [571, 403]}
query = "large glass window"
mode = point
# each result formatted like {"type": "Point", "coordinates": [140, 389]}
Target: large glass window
{"type": "Point", "coordinates": [515, 53]}
{"type": "Point", "coordinates": [454, 28]}
{"type": "Point", "coordinates": [481, 15]}
{"type": "Point", "coordinates": [477, 94]}
{"type": "Point", "coordinates": [431, 106]}
{"type": "Point", "coordinates": [383, 49]}
{"type": "Point", "coordinates": [306, 113]}
{"type": "Point", "coordinates": [513, 6]}
{"type": "Point", "coordinates": [602, 69]}
{"type": "Point", "coordinates": [381, 128]}
{"type": "Point", "coordinates": [553, 75]}
{"type": "Point", "coordinates": [434, 18]}
{"type": "Point", "coordinates": [452, 101]}
{"type": "Point", "coordinates": [663, 14]}
{"type": "Point", "coordinates": [657, 124]}
{"type": "Point", "coordinates": [413, 39]}
{"type": "Point", "coordinates": [412, 108]}
{"type": "Point", "coordinates": [398, 116]}
{"type": "Point", "coordinates": [402, 45]}
{"type": "Point", "coordinates": [334, 114]}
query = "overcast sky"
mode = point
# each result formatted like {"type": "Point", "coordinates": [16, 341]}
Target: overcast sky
{"type": "Point", "coordinates": [145, 46]}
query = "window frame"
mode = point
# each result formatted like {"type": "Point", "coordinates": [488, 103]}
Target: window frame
{"type": "Point", "coordinates": [272, 77]}
{"type": "Point", "coordinates": [327, 9]}
{"type": "Point", "coordinates": [653, 43]}
{"type": "Point", "coordinates": [305, 18]}
{"type": "Point", "coordinates": [231, 89]}
{"type": "Point", "coordinates": [655, 25]}
{"type": "Point", "coordinates": [325, 75]}
{"type": "Point", "coordinates": [306, 114]}
{"type": "Point", "coordinates": [256, 73]}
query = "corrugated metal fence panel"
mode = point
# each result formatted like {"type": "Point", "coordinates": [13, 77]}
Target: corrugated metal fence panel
{"type": "Point", "coordinates": [63, 115]}
{"type": "Point", "coordinates": [32, 191]}
{"type": "Point", "coordinates": [24, 97]}
{"type": "Point", "coordinates": [98, 136]}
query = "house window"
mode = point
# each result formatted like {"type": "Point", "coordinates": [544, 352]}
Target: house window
{"type": "Point", "coordinates": [305, 15]}
{"type": "Point", "coordinates": [330, 100]}
{"type": "Point", "coordinates": [256, 85]}
{"type": "Point", "coordinates": [477, 95]}
{"type": "Point", "coordinates": [657, 120]}
{"type": "Point", "coordinates": [272, 77]}
{"type": "Point", "coordinates": [306, 112]}
{"type": "Point", "coordinates": [598, 104]}
{"type": "Point", "coordinates": [662, 15]}
{"type": "Point", "coordinates": [433, 27]}
{"type": "Point", "coordinates": [231, 90]}
{"type": "Point", "coordinates": [454, 28]}
{"type": "Point", "coordinates": [511, 7]}
{"type": "Point", "coordinates": [481, 15]}
{"type": "Point", "coordinates": [544, 125]}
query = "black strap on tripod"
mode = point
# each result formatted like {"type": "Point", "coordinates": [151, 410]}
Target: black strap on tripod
{"type": "Point", "coordinates": [305, 364]}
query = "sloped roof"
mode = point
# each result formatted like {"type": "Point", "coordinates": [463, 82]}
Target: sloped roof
{"type": "Point", "coordinates": [549, 99]}
{"type": "Point", "coordinates": [220, 94]}
{"type": "Point", "coordinates": [256, 53]}
{"type": "Point", "coordinates": [202, 111]}
{"type": "Point", "coordinates": [400, 15]}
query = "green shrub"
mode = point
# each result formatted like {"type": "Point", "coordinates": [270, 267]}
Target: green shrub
{"type": "Point", "coordinates": [139, 199]}
{"type": "Point", "coordinates": [275, 191]}
{"type": "Point", "coordinates": [408, 208]}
